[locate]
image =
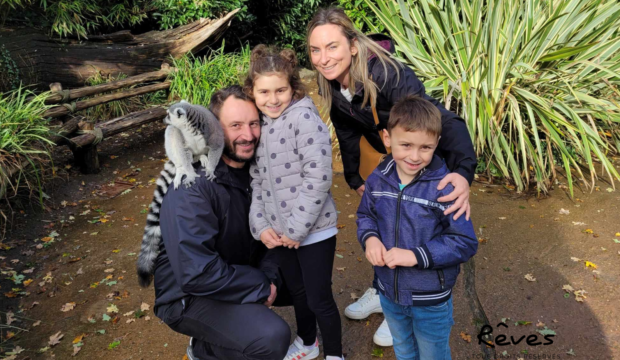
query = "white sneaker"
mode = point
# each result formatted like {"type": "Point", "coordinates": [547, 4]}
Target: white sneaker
{"type": "Point", "coordinates": [190, 350]}
{"type": "Point", "coordinates": [297, 350]}
{"type": "Point", "coordinates": [383, 336]}
{"type": "Point", "coordinates": [368, 304]}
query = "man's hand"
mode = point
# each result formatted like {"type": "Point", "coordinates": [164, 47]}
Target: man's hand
{"type": "Point", "coordinates": [375, 251]}
{"type": "Point", "coordinates": [400, 257]}
{"type": "Point", "coordinates": [360, 190]}
{"type": "Point", "coordinates": [289, 243]}
{"type": "Point", "coordinates": [460, 193]}
{"type": "Point", "coordinates": [270, 238]}
{"type": "Point", "coordinates": [272, 297]}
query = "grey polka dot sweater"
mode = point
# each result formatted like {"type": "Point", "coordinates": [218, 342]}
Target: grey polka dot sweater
{"type": "Point", "coordinates": [292, 176]}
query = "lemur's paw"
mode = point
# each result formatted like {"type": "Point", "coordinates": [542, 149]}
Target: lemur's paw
{"type": "Point", "coordinates": [177, 179]}
{"type": "Point", "coordinates": [204, 161]}
{"type": "Point", "coordinates": [190, 179]}
{"type": "Point", "coordinates": [210, 175]}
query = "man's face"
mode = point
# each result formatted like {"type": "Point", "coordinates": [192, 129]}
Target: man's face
{"type": "Point", "coordinates": [241, 124]}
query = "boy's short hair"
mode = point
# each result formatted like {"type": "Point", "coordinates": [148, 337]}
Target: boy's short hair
{"type": "Point", "coordinates": [414, 113]}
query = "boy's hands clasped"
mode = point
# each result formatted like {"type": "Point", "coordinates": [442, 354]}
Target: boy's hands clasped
{"type": "Point", "coordinates": [377, 255]}
{"type": "Point", "coordinates": [272, 240]}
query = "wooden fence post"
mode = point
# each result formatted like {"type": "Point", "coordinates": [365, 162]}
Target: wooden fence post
{"type": "Point", "coordinates": [86, 157]}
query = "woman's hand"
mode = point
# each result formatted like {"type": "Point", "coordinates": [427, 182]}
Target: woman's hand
{"type": "Point", "coordinates": [270, 238]}
{"type": "Point", "coordinates": [460, 194]}
{"type": "Point", "coordinates": [360, 190]}
{"type": "Point", "coordinates": [289, 243]}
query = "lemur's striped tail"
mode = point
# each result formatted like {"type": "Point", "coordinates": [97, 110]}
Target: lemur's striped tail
{"type": "Point", "coordinates": [152, 233]}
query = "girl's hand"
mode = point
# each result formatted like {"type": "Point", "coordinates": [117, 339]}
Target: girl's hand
{"type": "Point", "coordinates": [289, 243]}
{"type": "Point", "coordinates": [375, 251]}
{"type": "Point", "coordinates": [270, 238]}
{"type": "Point", "coordinates": [460, 193]}
{"type": "Point", "coordinates": [400, 257]}
{"type": "Point", "coordinates": [360, 190]}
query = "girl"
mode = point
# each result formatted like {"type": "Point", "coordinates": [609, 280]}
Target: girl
{"type": "Point", "coordinates": [357, 74]}
{"type": "Point", "coordinates": [292, 210]}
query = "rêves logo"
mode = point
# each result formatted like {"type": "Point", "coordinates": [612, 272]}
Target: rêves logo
{"type": "Point", "coordinates": [501, 340]}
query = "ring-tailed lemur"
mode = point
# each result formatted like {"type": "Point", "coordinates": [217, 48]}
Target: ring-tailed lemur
{"type": "Point", "coordinates": [193, 134]}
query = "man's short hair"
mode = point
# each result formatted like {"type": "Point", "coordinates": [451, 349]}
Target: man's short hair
{"type": "Point", "coordinates": [414, 113]}
{"type": "Point", "coordinates": [219, 97]}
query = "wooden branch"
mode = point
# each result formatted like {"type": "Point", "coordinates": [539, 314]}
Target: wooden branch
{"type": "Point", "coordinates": [121, 124]}
{"type": "Point", "coordinates": [113, 85]}
{"type": "Point", "coordinates": [42, 59]}
{"type": "Point", "coordinates": [81, 105]}
{"type": "Point", "coordinates": [57, 136]}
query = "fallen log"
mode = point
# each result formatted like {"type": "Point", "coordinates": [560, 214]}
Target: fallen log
{"type": "Point", "coordinates": [121, 124]}
{"type": "Point", "coordinates": [58, 136]}
{"type": "Point", "coordinates": [68, 95]}
{"type": "Point", "coordinates": [42, 60]}
{"type": "Point", "coordinates": [81, 105]}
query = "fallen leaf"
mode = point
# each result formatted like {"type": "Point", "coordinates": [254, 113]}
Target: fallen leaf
{"type": "Point", "coordinates": [568, 288]}
{"type": "Point", "coordinates": [580, 295]}
{"type": "Point", "coordinates": [530, 277]}
{"type": "Point", "coordinates": [28, 271]}
{"type": "Point", "coordinates": [502, 218]}
{"type": "Point", "coordinates": [78, 338]}
{"type": "Point", "coordinates": [578, 223]}
{"type": "Point", "coordinates": [36, 323]}
{"type": "Point", "coordinates": [540, 324]}
{"type": "Point", "coordinates": [590, 264]}
{"type": "Point", "coordinates": [55, 339]}
{"type": "Point", "coordinates": [465, 337]}
{"type": "Point", "coordinates": [28, 282]}
{"type": "Point", "coordinates": [80, 271]}
{"type": "Point", "coordinates": [575, 259]}
{"type": "Point", "coordinates": [340, 268]}
{"type": "Point", "coordinates": [588, 231]}
{"type": "Point", "coordinates": [114, 344]}
{"type": "Point", "coordinates": [564, 212]}
{"type": "Point", "coordinates": [76, 349]}
{"type": "Point", "coordinates": [68, 307]}
{"type": "Point", "coordinates": [147, 318]}
{"type": "Point", "coordinates": [116, 251]}
{"type": "Point", "coordinates": [112, 308]}
{"type": "Point", "coordinates": [108, 270]}
{"type": "Point", "coordinates": [128, 218]}
{"type": "Point", "coordinates": [47, 239]}
{"type": "Point", "coordinates": [354, 296]}
{"type": "Point", "coordinates": [10, 317]}
{"type": "Point", "coordinates": [105, 317]}
{"type": "Point", "coordinates": [351, 216]}
{"type": "Point", "coordinates": [129, 321]}
{"type": "Point", "coordinates": [144, 306]}
{"type": "Point", "coordinates": [128, 313]}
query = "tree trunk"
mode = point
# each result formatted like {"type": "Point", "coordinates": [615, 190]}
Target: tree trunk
{"type": "Point", "coordinates": [42, 60]}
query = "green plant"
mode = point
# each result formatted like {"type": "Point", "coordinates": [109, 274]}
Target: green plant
{"type": "Point", "coordinates": [535, 80]}
{"type": "Point", "coordinates": [362, 16]}
{"type": "Point", "coordinates": [23, 139]}
{"type": "Point", "coordinates": [173, 13]}
{"type": "Point", "coordinates": [9, 72]}
{"type": "Point", "coordinates": [196, 79]}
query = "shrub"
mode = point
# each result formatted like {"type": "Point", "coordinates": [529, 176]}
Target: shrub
{"type": "Point", "coordinates": [196, 79]}
{"type": "Point", "coordinates": [23, 139]}
{"type": "Point", "coordinates": [535, 80]}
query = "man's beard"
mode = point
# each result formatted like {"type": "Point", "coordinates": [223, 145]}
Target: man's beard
{"type": "Point", "coordinates": [230, 152]}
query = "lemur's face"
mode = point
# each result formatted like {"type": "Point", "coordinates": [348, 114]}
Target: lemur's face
{"type": "Point", "coordinates": [177, 116]}
{"type": "Point", "coordinates": [272, 94]}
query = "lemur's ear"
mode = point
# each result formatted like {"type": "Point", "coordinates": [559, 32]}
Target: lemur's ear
{"type": "Point", "coordinates": [179, 112]}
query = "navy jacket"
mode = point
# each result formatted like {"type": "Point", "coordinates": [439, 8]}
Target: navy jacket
{"type": "Point", "coordinates": [412, 219]}
{"type": "Point", "coordinates": [351, 121]}
{"type": "Point", "coordinates": [207, 247]}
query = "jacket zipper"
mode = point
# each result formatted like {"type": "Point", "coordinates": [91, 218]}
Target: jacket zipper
{"type": "Point", "coordinates": [275, 199]}
{"type": "Point", "coordinates": [396, 237]}
{"type": "Point", "coordinates": [442, 280]}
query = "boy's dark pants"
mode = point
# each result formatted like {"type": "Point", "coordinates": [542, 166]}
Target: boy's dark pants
{"type": "Point", "coordinates": [307, 272]}
{"type": "Point", "coordinates": [228, 331]}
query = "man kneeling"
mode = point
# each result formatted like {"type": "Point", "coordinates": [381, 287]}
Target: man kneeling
{"type": "Point", "coordinates": [213, 281]}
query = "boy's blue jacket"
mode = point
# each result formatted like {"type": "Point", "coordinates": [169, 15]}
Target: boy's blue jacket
{"type": "Point", "coordinates": [412, 219]}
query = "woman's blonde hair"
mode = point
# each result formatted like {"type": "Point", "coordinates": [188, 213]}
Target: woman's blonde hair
{"type": "Point", "coordinates": [358, 71]}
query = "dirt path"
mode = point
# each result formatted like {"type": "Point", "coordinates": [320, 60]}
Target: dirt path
{"type": "Point", "coordinates": [91, 262]}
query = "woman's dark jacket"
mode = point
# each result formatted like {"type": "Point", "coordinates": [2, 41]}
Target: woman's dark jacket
{"type": "Point", "coordinates": [351, 121]}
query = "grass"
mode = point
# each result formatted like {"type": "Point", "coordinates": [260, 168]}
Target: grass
{"type": "Point", "coordinates": [196, 79]}
{"type": "Point", "coordinates": [537, 81]}
{"type": "Point", "coordinates": [23, 141]}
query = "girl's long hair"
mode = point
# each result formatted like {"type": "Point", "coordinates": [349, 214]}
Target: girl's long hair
{"type": "Point", "coordinates": [358, 71]}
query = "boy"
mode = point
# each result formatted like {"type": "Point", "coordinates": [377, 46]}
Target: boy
{"type": "Point", "coordinates": [416, 249]}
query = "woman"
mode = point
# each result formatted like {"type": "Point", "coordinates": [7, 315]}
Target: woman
{"type": "Point", "coordinates": [355, 73]}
